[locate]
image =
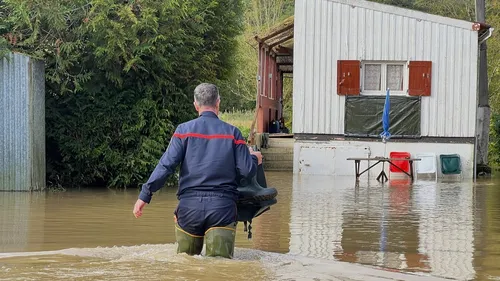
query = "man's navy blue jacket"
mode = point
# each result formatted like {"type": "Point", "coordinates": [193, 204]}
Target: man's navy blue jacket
{"type": "Point", "coordinates": [211, 152]}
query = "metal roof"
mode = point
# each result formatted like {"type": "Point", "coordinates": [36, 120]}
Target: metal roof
{"type": "Point", "coordinates": [409, 13]}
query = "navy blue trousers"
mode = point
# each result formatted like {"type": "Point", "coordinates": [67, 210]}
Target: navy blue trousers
{"type": "Point", "coordinates": [196, 214]}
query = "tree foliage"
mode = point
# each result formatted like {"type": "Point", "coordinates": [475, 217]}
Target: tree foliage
{"type": "Point", "coordinates": [264, 14]}
{"type": "Point", "coordinates": [459, 9]}
{"type": "Point", "coordinates": [120, 76]}
{"type": "Point", "coordinates": [400, 3]}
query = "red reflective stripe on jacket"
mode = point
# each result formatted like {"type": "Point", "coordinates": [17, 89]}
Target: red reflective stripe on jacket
{"type": "Point", "coordinates": [203, 136]}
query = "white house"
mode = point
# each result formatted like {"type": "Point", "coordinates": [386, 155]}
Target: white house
{"type": "Point", "coordinates": [346, 53]}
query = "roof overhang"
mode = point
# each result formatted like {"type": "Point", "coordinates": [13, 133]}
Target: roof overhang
{"type": "Point", "coordinates": [279, 35]}
{"type": "Point", "coordinates": [278, 41]}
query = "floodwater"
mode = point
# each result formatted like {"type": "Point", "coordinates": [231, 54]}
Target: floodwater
{"type": "Point", "coordinates": [322, 228]}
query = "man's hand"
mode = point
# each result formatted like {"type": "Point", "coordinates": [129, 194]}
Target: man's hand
{"type": "Point", "coordinates": [139, 205]}
{"type": "Point", "coordinates": [258, 154]}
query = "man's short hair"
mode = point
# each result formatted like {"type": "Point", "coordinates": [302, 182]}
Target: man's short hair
{"type": "Point", "coordinates": [206, 94]}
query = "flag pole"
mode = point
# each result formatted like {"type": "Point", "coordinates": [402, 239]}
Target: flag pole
{"type": "Point", "coordinates": [385, 126]}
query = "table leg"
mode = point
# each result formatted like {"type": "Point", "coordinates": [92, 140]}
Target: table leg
{"type": "Point", "coordinates": [411, 170]}
{"type": "Point", "coordinates": [382, 176]}
{"type": "Point", "coordinates": [356, 167]}
{"type": "Point", "coordinates": [370, 167]}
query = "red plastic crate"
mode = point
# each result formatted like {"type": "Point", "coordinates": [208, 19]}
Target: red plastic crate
{"type": "Point", "coordinates": [404, 165]}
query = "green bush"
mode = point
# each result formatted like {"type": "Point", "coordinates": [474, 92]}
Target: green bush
{"type": "Point", "coordinates": [494, 145]}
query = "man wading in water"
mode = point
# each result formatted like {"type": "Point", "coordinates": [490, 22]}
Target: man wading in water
{"type": "Point", "coordinates": [211, 153]}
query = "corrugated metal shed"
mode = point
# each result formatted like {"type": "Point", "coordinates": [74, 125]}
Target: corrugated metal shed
{"type": "Point", "coordinates": [330, 30]}
{"type": "Point", "coordinates": [22, 123]}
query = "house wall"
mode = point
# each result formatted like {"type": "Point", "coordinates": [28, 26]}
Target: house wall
{"type": "Point", "coordinates": [326, 31]}
{"type": "Point", "coordinates": [330, 157]}
{"type": "Point", "coordinates": [269, 88]}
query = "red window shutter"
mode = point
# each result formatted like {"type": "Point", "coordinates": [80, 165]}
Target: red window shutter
{"type": "Point", "coordinates": [348, 77]}
{"type": "Point", "coordinates": [420, 78]}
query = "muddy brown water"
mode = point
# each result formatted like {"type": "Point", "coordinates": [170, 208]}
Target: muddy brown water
{"type": "Point", "coordinates": [446, 229]}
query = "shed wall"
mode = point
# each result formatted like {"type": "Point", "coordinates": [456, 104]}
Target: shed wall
{"type": "Point", "coordinates": [22, 123]}
{"type": "Point", "coordinates": [330, 30]}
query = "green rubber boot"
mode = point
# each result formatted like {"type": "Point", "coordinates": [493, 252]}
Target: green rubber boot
{"type": "Point", "coordinates": [188, 243]}
{"type": "Point", "coordinates": [251, 190]}
{"type": "Point", "coordinates": [220, 241]}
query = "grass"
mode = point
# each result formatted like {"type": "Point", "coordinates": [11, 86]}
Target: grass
{"type": "Point", "coordinates": [242, 119]}
{"type": "Point", "coordinates": [239, 118]}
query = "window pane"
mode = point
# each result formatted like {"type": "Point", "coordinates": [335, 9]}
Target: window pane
{"type": "Point", "coordinates": [372, 77]}
{"type": "Point", "coordinates": [395, 77]}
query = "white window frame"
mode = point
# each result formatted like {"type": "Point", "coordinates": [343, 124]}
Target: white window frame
{"type": "Point", "coordinates": [383, 84]}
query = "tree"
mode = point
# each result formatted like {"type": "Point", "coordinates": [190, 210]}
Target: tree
{"type": "Point", "coordinates": [400, 3]}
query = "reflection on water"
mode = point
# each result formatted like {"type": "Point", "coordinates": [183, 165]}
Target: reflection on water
{"type": "Point", "coordinates": [21, 221]}
{"type": "Point", "coordinates": [316, 215]}
{"type": "Point", "coordinates": [442, 229]}
{"type": "Point", "coordinates": [448, 230]}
